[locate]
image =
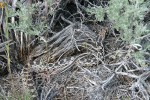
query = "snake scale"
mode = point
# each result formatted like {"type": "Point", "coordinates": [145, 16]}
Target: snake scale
{"type": "Point", "coordinates": [84, 59]}
{"type": "Point", "coordinates": [59, 67]}
{"type": "Point", "coordinates": [63, 65]}
{"type": "Point", "coordinates": [27, 80]}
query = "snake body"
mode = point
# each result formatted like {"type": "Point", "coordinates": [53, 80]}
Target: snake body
{"type": "Point", "coordinates": [64, 64]}
{"type": "Point", "coordinates": [28, 83]}
{"type": "Point", "coordinates": [56, 68]}
{"type": "Point", "coordinates": [83, 36]}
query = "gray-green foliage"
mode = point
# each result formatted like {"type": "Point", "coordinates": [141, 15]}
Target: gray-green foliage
{"type": "Point", "coordinates": [25, 24]}
{"type": "Point", "coordinates": [127, 17]}
{"type": "Point", "coordinates": [98, 11]}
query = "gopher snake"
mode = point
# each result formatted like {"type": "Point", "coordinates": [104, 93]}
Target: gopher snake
{"type": "Point", "coordinates": [27, 79]}
{"type": "Point", "coordinates": [67, 63]}
{"type": "Point", "coordinates": [59, 67]}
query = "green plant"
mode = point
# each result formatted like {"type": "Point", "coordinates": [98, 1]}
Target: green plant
{"type": "Point", "coordinates": [126, 17]}
{"type": "Point", "coordinates": [25, 23]}
{"type": "Point", "coordinates": [23, 28]}
{"type": "Point", "coordinates": [7, 37]}
{"type": "Point", "coordinates": [98, 11]}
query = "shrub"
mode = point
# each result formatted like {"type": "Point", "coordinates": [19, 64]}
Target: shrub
{"type": "Point", "coordinates": [127, 17]}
